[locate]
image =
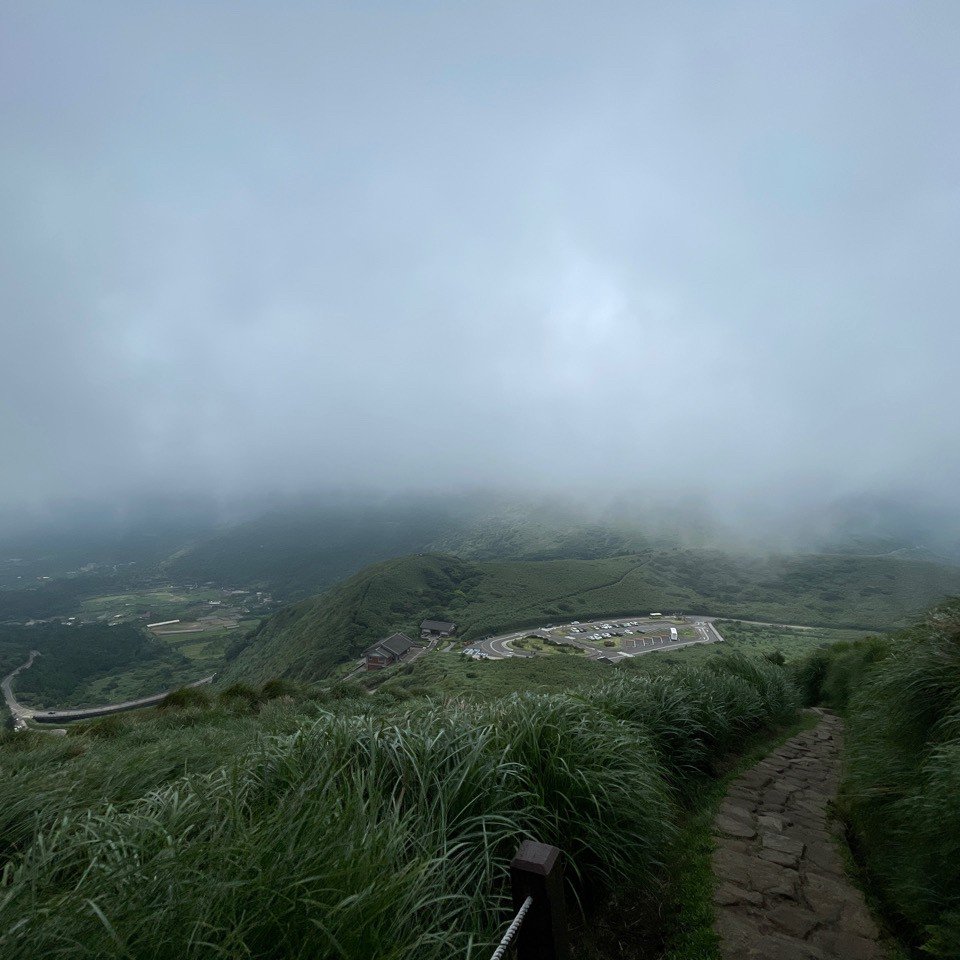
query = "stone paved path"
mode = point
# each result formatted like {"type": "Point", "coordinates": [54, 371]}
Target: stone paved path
{"type": "Point", "coordinates": [782, 893]}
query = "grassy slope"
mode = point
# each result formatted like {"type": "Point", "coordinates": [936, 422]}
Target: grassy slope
{"type": "Point", "coordinates": [308, 640]}
{"type": "Point", "coordinates": [794, 643]}
{"type": "Point", "coordinates": [899, 796]}
{"type": "Point", "coordinates": [857, 592]}
{"type": "Point", "coordinates": [371, 831]}
{"type": "Point", "coordinates": [454, 675]}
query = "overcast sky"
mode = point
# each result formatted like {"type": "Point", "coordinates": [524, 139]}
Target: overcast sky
{"type": "Point", "coordinates": [685, 246]}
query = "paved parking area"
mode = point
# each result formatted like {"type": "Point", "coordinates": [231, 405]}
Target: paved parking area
{"type": "Point", "coordinates": [629, 636]}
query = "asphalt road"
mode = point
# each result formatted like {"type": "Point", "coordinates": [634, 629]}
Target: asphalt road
{"type": "Point", "coordinates": [22, 714]}
{"type": "Point", "coordinates": [645, 638]}
{"type": "Point", "coordinates": [19, 712]}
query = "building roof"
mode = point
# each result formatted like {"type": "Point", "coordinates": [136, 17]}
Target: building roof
{"type": "Point", "coordinates": [396, 645]}
{"type": "Point", "coordinates": [438, 626]}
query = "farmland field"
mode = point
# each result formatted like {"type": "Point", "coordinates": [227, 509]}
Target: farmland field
{"type": "Point", "coordinates": [159, 604]}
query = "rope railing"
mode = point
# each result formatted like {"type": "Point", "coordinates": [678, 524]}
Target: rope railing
{"type": "Point", "coordinates": [539, 927]}
{"type": "Point", "coordinates": [501, 950]}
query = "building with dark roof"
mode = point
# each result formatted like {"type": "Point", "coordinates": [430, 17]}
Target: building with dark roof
{"type": "Point", "coordinates": [386, 652]}
{"type": "Point", "coordinates": [437, 628]}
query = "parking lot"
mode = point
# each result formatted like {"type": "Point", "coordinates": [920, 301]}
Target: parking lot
{"type": "Point", "coordinates": [608, 639]}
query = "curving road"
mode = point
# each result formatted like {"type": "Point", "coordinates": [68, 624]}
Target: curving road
{"type": "Point", "coordinates": [22, 714]}
{"type": "Point", "coordinates": [19, 712]}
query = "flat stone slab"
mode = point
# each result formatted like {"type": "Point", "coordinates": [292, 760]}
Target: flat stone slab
{"type": "Point", "coordinates": [734, 827]}
{"type": "Point", "coordinates": [777, 841]}
{"type": "Point", "coordinates": [782, 893]}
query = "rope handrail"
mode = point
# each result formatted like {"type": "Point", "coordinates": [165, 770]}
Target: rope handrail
{"type": "Point", "coordinates": [512, 930]}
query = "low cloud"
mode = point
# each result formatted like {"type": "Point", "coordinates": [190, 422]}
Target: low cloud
{"type": "Point", "coordinates": [690, 251]}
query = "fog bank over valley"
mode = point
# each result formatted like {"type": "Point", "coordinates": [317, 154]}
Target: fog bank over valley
{"type": "Point", "coordinates": [691, 260]}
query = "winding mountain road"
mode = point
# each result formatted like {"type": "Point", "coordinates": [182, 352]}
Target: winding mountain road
{"type": "Point", "coordinates": [19, 712]}
{"type": "Point", "coordinates": [22, 714]}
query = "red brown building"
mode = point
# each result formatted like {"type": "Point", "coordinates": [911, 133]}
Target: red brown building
{"type": "Point", "coordinates": [386, 652]}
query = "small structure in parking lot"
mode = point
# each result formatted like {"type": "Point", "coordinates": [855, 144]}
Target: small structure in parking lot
{"type": "Point", "coordinates": [386, 652]}
{"type": "Point", "coordinates": [437, 628]}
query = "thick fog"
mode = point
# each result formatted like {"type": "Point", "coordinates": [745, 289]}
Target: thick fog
{"type": "Point", "coordinates": [669, 247]}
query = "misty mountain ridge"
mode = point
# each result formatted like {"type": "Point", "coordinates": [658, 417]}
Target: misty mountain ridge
{"type": "Point", "coordinates": [307, 640]}
{"type": "Point", "coordinates": [298, 545]}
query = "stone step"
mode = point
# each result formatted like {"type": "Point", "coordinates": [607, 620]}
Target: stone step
{"type": "Point", "coordinates": [782, 893]}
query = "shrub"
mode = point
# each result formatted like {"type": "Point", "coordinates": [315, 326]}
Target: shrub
{"type": "Point", "coordinates": [107, 728]}
{"type": "Point", "coordinates": [373, 830]}
{"type": "Point", "coordinates": [186, 698]}
{"type": "Point", "coordinates": [276, 688]}
{"type": "Point", "coordinates": [346, 690]}
{"type": "Point", "coordinates": [568, 762]}
{"type": "Point", "coordinates": [240, 696]}
{"type": "Point", "coordinates": [901, 697]}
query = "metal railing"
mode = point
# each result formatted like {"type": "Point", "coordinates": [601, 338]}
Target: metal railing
{"type": "Point", "coordinates": [539, 927]}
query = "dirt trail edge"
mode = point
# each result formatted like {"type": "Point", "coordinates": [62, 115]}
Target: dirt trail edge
{"type": "Point", "coordinates": [782, 893]}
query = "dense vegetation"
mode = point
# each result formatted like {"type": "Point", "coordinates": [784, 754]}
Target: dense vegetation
{"type": "Point", "coordinates": [72, 657]}
{"type": "Point", "coordinates": [901, 697]}
{"type": "Point", "coordinates": [354, 828]}
{"type": "Point", "coordinates": [306, 641]}
{"type": "Point", "coordinates": [869, 593]}
{"type": "Point", "coordinates": [792, 643]}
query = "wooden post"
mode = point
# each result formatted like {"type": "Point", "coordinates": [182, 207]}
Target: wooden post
{"type": "Point", "coordinates": [537, 872]}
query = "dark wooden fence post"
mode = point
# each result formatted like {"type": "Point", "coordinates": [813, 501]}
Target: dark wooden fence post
{"type": "Point", "coordinates": [537, 872]}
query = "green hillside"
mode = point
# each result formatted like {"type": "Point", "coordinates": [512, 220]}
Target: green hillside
{"type": "Point", "coordinates": [308, 640]}
{"type": "Point", "coordinates": [898, 799]}
{"type": "Point", "coordinates": [306, 826]}
{"type": "Point", "coordinates": [298, 550]}
{"type": "Point", "coordinates": [870, 593]}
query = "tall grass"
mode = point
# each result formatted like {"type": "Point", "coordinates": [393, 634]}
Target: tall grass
{"type": "Point", "coordinates": [695, 714]}
{"type": "Point", "coordinates": [901, 793]}
{"type": "Point", "coordinates": [361, 831]}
